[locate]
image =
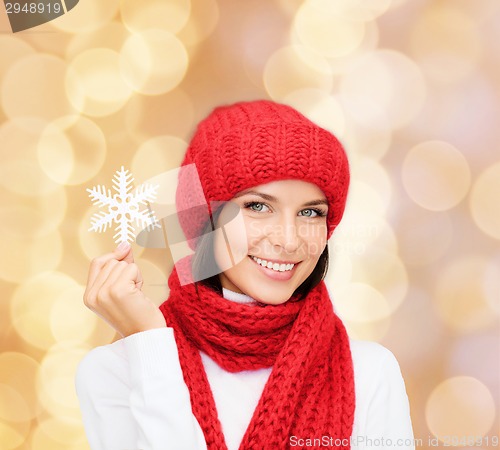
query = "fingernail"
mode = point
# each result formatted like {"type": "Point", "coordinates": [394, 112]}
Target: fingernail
{"type": "Point", "coordinates": [122, 246]}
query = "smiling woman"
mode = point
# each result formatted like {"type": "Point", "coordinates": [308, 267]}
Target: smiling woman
{"type": "Point", "coordinates": [286, 236]}
{"type": "Point", "coordinates": [252, 356]}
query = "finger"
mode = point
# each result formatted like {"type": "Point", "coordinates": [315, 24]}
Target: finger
{"type": "Point", "coordinates": [129, 255]}
{"type": "Point", "coordinates": [123, 281]}
{"type": "Point", "coordinates": [98, 263]}
{"type": "Point", "coordinates": [92, 292]}
{"type": "Point", "coordinates": [115, 281]}
{"type": "Point", "coordinates": [119, 285]}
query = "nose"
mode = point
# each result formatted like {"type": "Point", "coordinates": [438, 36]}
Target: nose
{"type": "Point", "coordinates": [285, 235]}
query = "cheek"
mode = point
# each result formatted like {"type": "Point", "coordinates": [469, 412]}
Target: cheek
{"type": "Point", "coordinates": [231, 243]}
{"type": "Point", "coordinates": [315, 239]}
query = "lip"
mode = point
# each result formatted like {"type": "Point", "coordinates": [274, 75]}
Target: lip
{"type": "Point", "coordinates": [277, 276]}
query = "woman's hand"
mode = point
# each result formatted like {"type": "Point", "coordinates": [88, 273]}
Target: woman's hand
{"type": "Point", "coordinates": [114, 293]}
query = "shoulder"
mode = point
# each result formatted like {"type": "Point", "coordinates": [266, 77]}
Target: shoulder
{"type": "Point", "coordinates": [374, 365]}
{"type": "Point", "coordinates": [382, 406]}
{"type": "Point", "coordinates": [368, 353]}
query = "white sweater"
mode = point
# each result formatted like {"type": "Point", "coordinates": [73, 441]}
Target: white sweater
{"type": "Point", "coordinates": [133, 396]}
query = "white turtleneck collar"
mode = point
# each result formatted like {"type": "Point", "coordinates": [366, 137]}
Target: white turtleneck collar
{"type": "Point", "coordinates": [237, 297]}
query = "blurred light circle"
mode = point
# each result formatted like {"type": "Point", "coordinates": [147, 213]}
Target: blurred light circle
{"type": "Point", "coordinates": [157, 155]}
{"type": "Point", "coordinates": [413, 324]}
{"type": "Point", "coordinates": [29, 255]}
{"type": "Point", "coordinates": [110, 36]}
{"type": "Point", "coordinates": [484, 203]}
{"type": "Point", "coordinates": [15, 418]}
{"type": "Point", "coordinates": [10, 435]}
{"type": "Point", "coordinates": [65, 430]}
{"type": "Point", "coordinates": [326, 31]}
{"type": "Point", "coordinates": [34, 87]}
{"type": "Point", "coordinates": [71, 151]}
{"type": "Point", "coordinates": [296, 67]}
{"type": "Point", "coordinates": [372, 187]}
{"type": "Point", "coordinates": [254, 49]}
{"type": "Point", "coordinates": [360, 229]}
{"type": "Point", "coordinates": [370, 41]}
{"type": "Point", "coordinates": [339, 268]}
{"type": "Point", "coordinates": [153, 61]}
{"type": "Point", "coordinates": [145, 115]}
{"type": "Point", "coordinates": [424, 236]}
{"type": "Point", "coordinates": [88, 16]}
{"type": "Point", "coordinates": [202, 22]}
{"type": "Point", "coordinates": [168, 15]}
{"type": "Point", "coordinates": [95, 75]}
{"type": "Point", "coordinates": [382, 89]}
{"type": "Point", "coordinates": [19, 172]}
{"type": "Point", "coordinates": [32, 216]}
{"type": "Point", "coordinates": [478, 356]}
{"type": "Point", "coordinates": [374, 330]}
{"type": "Point", "coordinates": [461, 407]}
{"type": "Point", "coordinates": [368, 142]}
{"type": "Point", "coordinates": [13, 407]}
{"type": "Point", "coordinates": [492, 284]}
{"type": "Point", "coordinates": [319, 107]}
{"type": "Point", "coordinates": [70, 320]}
{"type": "Point", "coordinates": [355, 10]}
{"type": "Point", "coordinates": [56, 380]}
{"type": "Point", "coordinates": [363, 194]}
{"type": "Point", "coordinates": [25, 177]}
{"type": "Point", "coordinates": [360, 302]}
{"type": "Point", "coordinates": [459, 295]}
{"type": "Point", "coordinates": [17, 371]}
{"type": "Point", "coordinates": [31, 304]}
{"type": "Point", "coordinates": [444, 115]}
{"type": "Point", "coordinates": [397, 3]}
{"type": "Point", "coordinates": [42, 437]}
{"type": "Point", "coordinates": [13, 48]}
{"type": "Point", "coordinates": [384, 271]}
{"type": "Point", "coordinates": [289, 7]}
{"type": "Point", "coordinates": [446, 43]}
{"type": "Point", "coordinates": [436, 175]}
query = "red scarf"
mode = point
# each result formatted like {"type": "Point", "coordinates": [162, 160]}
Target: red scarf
{"type": "Point", "coordinates": [310, 392]}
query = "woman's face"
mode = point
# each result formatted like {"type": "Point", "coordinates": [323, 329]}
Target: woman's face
{"type": "Point", "coordinates": [285, 234]}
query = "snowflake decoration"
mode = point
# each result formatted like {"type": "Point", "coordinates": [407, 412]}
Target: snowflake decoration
{"type": "Point", "coordinates": [123, 207]}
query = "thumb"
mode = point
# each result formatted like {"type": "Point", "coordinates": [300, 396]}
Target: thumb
{"type": "Point", "coordinates": [124, 252]}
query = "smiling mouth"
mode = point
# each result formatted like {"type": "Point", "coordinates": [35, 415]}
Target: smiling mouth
{"type": "Point", "coordinates": [274, 265]}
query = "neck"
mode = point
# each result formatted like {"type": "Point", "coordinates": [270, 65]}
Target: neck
{"type": "Point", "coordinates": [237, 297]}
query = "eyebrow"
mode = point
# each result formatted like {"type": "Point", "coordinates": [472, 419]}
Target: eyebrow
{"type": "Point", "coordinates": [271, 198]}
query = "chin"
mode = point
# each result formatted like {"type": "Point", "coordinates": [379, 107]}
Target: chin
{"type": "Point", "coordinates": [271, 296]}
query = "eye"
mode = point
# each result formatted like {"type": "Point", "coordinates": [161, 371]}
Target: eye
{"type": "Point", "coordinates": [256, 206]}
{"type": "Point", "coordinates": [312, 212]}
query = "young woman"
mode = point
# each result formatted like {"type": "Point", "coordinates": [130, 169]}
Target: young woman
{"type": "Point", "coordinates": [252, 356]}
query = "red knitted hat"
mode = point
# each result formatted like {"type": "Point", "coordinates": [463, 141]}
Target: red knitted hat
{"type": "Point", "coordinates": [251, 143]}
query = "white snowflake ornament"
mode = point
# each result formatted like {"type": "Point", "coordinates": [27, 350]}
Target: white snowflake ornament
{"type": "Point", "coordinates": [123, 208]}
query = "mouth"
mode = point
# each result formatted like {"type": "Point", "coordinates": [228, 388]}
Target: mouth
{"type": "Point", "coordinates": [277, 270]}
{"type": "Point", "coordinates": [276, 266]}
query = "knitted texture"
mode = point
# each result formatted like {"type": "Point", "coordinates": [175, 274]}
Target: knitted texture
{"type": "Point", "coordinates": [251, 143]}
{"type": "Point", "coordinates": [310, 392]}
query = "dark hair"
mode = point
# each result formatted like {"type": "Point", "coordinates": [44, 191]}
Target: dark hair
{"type": "Point", "coordinates": [204, 255]}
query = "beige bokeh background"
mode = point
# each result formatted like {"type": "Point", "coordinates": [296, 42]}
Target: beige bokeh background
{"type": "Point", "coordinates": [411, 87]}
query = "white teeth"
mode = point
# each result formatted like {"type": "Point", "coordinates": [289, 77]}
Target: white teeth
{"type": "Point", "coordinates": [273, 266]}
